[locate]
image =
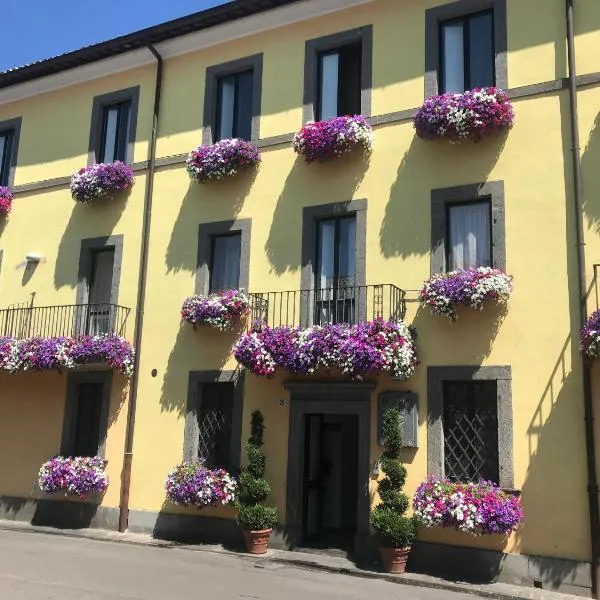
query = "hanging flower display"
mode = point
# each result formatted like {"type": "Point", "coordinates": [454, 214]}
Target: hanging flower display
{"type": "Point", "coordinates": [193, 484]}
{"type": "Point", "coordinates": [357, 350]}
{"type": "Point", "coordinates": [6, 199]}
{"type": "Point", "coordinates": [590, 336]}
{"type": "Point", "coordinates": [219, 310]}
{"type": "Point", "coordinates": [470, 116]}
{"type": "Point", "coordinates": [445, 292]}
{"type": "Point", "coordinates": [76, 476]}
{"type": "Point", "coordinates": [223, 159]}
{"type": "Point", "coordinates": [43, 354]}
{"type": "Point", "coordinates": [101, 181]}
{"type": "Point", "coordinates": [323, 140]}
{"type": "Point", "coordinates": [476, 508]}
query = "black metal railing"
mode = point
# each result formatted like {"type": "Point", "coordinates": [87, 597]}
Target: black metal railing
{"type": "Point", "coordinates": [342, 304]}
{"type": "Point", "coordinates": [63, 320]}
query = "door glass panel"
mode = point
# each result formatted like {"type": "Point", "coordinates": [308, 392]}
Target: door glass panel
{"type": "Point", "coordinates": [329, 86]}
{"type": "Point", "coordinates": [110, 135]}
{"type": "Point", "coordinates": [326, 258]}
{"type": "Point", "coordinates": [225, 262]}
{"type": "Point", "coordinates": [100, 292]}
{"type": "Point", "coordinates": [243, 126]}
{"type": "Point", "coordinates": [453, 74]}
{"type": "Point", "coordinates": [347, 253]}
{"type": "Point", "coordinates": [87, 423]}
{"type": "Point", "coordinates": [226, 107]}
{"type": "Point", "coordinates": [481, 50]}
{"type": "Point", "coordinates": [350, 80]}
{"type": "Point", "coordinates": [469, 236]}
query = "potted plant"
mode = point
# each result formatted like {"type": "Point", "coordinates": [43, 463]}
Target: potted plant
{"type": "Point", "coordinates": [74, 476]}
{"type": "Point", "coordinates": [102, 180]}
{"type": "Point", "coordinates": [6, 199]}
{"type": "Point", "coordinates": [396, 531]}
{"type": "Point", "coordinates": [256, 519]}
{"type": "Point", "coordinates": [219, 310]}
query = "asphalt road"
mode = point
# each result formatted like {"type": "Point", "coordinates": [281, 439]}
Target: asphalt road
{"type": "Point", "coordinates": [35, 566]}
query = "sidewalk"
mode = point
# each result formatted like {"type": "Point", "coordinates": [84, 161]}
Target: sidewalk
{"type": "Point", "coordinates": [320, 562]}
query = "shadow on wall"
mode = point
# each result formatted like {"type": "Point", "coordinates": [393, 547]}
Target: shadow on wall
{"type": "Point", "coordinates": [408, 211]}
{"type": "Point", "coordinates": [203, 203]}
{"type": "Point", "coordinates": [590, 160]}
{"type": "Point", "coordinates": [309, 185]}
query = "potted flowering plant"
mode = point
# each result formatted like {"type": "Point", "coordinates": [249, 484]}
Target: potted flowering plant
{"type": "Point", "coordinates": [43, 354]}
{"type": "Point", "coordinates": [74, 476]}
{"type": "Point", "coordinates": [194, 484]}
{"type": "Point", "coordinates": [590, 336]}
{"type": "Point", "coordinates": [220, 310]}
{"type": "Point", "coordinates": [6, 199]}
{"type": "Point", "coordinates": [396, 531]}
{"type": "Point", "coordinates": [445, 292]}
{"type": "Point", "coordinates": [256, 519]}
{"type": "Point", "coordinates": [323, 140]}
{"type": "Point", "coordinates": [357, 350]}
{"type": "Point", "coordinates": [475, 508]}
{"type": "Point", "coordinates": [474, 115]}
{"type": "Point", "coordinates": [222, 159]}
{"type": "Point", "coordinates": [103, 180]}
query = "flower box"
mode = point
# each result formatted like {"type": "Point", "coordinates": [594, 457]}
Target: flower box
{"type": "Point", "coordinates": [74, 476]}
{"type": "Point", "coordinates": [471, 116]}
{"type": "Point", "coordinates": [101, 181]}
{"type": "Point", "coordinates": [6, 199]}
{"type": "Point", "coordinates": [323, 140]}
{"type": "Point", "coordinates": [445, 292]}
{"type": "Point", "coordinates": [476, 508]}
{"type": "Point", "coordinates": [219, 310]}
{"type": "Point", "coordinates": [590, 336]}
{"type": "Point", "coordinates": [193, 484]}
{"type": "Point", "coordinates": [357, 350]}
{"type": "Point", "coordinates": [223, 159]}
{"type": "Point", "coordinates": [43, 354]}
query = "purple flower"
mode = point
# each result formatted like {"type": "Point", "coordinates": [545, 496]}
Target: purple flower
{"type": "Point", "coordinates": [101, 181]}
{"type": "Point", "coordinates": [590, 336]}
{"type": "Point", "coordinates": [331, 138]}
{"type": "Point", "coordinates": [470, 116]}
{"type": "Point", "coordinates": [6, 199]}
{"type": "Point", "coordinates": [77, 476]}
{"type": "Point", "coordinates": [225, 158]}
{"type": "Point", "coordinates": [193, 484]}
{"type": "Point", "coordinates": [219, 310]}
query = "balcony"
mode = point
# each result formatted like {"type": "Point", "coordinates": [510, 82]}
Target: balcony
{"type": "Point", "coordinates": [72, 320]}
{"type": "Point", "coordinates": [350, 304]}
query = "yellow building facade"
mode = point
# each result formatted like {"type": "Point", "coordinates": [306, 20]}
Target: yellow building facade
{"type": "Point", "coordinates": [524, 360]}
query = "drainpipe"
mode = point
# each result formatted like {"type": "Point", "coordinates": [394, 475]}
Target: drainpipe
{"type": "Point", "coordinates": [594, 508]}
{"type": "Point", "coordinates": [139, 316]}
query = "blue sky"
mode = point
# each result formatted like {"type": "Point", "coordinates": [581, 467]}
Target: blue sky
{"type": "Point", "coordinates": [37, 29]}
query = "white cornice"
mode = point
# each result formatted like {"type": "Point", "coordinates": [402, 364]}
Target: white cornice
{"type": "Point", "coordinates": [247, 26]}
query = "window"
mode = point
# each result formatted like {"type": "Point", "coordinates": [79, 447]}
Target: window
{"type": "Point", "coordinates": [100, 291]}
{"type": "Point", "coordinates": [338, 74]}
{"type": "Point", "coordinates": [339, 82]}
{"type": "Point", "coordinates": [471, 431]}
{"type": "Point", "coordinates": [115, 125]}
{"type": "Point", "coordinates": [469, 235]}
{"type": "Point", "coordinates": [225, 262]}
{"type": "Point", "coordinates": [214, 423]}
{"type": "Point", "coordinates": [234, 106]}
{"type": "Point", "coordinates": [6, 144]}
{"type": "Point", "coordinates": [467, 53]}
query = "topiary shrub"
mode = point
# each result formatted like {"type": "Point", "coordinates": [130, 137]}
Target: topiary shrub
{"type": "Point", "coordinates": [388, 520]}
{"type": "Point", "coordinates": [253, 488]}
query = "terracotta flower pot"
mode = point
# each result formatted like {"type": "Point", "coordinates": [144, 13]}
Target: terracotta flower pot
{"type": "Point", "coordinates": [394, 559]}
{"type": "Point", "coordinates": [257, 542]}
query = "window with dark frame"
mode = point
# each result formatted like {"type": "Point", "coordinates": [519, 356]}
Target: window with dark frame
{"type": "Point", "coordinates": [339, 82]}
{"type": "Point", "coordinates": [100, 291]}
{"type": "Point", "coordinates": [470, 426]}
{"type": "Point", "coordinates": [234, 106]}
{"type": "Point", "coordinates": [467, 53]}
{"type": "Point", "coordinates": [115, 128]}
{"type": "Point", "coordinates": [6, 147]}
{"type": "Point", "coordinates": [469, 235]}
{"type": "Point", "coordinates": [215, 416]}
{"type": "Point", "coordinates": [225, 257]}
{"type": "Point", "coordinates": [86, 439]}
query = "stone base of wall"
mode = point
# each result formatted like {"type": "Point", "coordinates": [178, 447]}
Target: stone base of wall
{"type": "Point", "coordinates": [62, 514]}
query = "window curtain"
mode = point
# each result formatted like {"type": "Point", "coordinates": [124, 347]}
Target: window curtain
{"type": "Point", "coordinates": [329, 86]}
{"type": "Point", "coordinates": [225, 271]}
{"type": "Point", "coordinates": [469, 233]}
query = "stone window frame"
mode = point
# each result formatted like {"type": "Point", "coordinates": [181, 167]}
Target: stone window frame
{"type": "Point", "coordinates": [314, 47]}
{"type": "Point", "coordinates": [99, 103]}
{"type": "Point", "coordinates": [442, 197]}
{"type": "Point", "coordinates": [213, 74]}
{"type": "Point", "coordinates": [435, 410]}
{"type": "Point", "coordinates": [13, 126]}
{"type": "Point", "coordinates": [70, 414]}
{"type": "Point", "coordinates": [435, 16]}
{"type": "Point", "coordinates": [206, 231]}
{"type": "Point", "coordinates": [310, 216]}
{"type": "Point", "coordinates": [194, 402]}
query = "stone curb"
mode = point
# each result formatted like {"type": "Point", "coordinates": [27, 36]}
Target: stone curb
{"type": "Point", "coordinates": [299, 561]}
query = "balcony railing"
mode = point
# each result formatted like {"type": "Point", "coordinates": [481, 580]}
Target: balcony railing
{"type": "Point", "coordinates": [73, 320]}
{"type": "Point", "coordinates": [341, 304]}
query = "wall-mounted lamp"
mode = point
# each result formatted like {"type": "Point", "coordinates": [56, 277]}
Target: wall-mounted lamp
{"type": "Point", "coordinates": [34, 257]}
